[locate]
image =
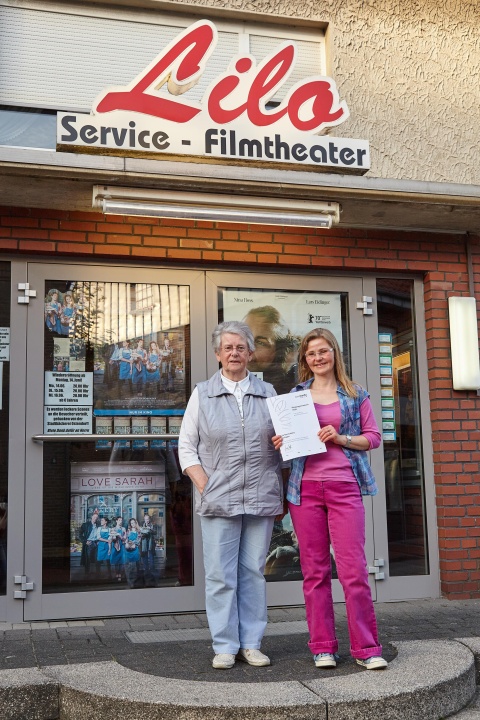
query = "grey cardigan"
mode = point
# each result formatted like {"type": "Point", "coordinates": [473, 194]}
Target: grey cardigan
{"type": "Point", "coordinates": [238, 456]}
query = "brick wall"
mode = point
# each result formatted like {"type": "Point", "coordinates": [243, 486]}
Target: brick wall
{"type": "Point", "coordinates": [456, 431]}
{"type": "Point", "coordinates": [440, 259]}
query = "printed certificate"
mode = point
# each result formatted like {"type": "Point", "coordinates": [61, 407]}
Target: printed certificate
{"type": "Point", "coordinates": [294, 418]}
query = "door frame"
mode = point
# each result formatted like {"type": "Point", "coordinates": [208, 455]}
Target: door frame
{"type": "Point", "coordinates": [24, 506]}
{"type": "Point", "coordinates": [10, 608]}
{"type": "Point", "coordinates": [73, 604]}
{"type": "Point", "coordinates": [404, 587]}
{"type": "Point", "coordinates": [290, 592]}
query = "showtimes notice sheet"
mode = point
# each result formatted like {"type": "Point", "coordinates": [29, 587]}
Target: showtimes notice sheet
{"type": "Point", "coordinates": [294, 418]}
{"type": "Point", "coordinates": [68, 403]}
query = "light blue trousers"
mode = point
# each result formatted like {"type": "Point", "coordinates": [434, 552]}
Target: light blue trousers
{"type": "Point", "coordinates": [234, 551]}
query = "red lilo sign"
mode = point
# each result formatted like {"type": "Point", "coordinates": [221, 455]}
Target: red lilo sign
{"type": "Point", "coordinates": [232, 122]}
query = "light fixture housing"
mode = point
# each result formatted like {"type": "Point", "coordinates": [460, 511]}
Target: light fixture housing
{"type": "Point", "coordinates": [204, 206]}
{"type": "Point", "coordinates": [462, 313]}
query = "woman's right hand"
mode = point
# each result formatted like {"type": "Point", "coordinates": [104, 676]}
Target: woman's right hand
{"type": "Point", "coordinates": [198, 476]}
{"type": "Point", "coordinates": [277, 441]}
{"type": "Point", "coordinates": [201, 487]}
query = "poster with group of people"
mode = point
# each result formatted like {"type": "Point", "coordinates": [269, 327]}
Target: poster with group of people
{"type": "Point", "coordinates": [119, 550]}
{"type": "Point", "coordinates": [144, 368]}
{"type": "Point", "coordinates": [117, 521]}
{"type": "Point", "coordinates": [130, 524]}
{"type": "Point", "coordinates": [133, 340]}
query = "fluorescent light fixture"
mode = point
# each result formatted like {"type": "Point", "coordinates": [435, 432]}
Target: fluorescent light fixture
{"type": "Point", "coordinates": [462, 313]}
{"type": "Point", "coordinates": [203, 206]}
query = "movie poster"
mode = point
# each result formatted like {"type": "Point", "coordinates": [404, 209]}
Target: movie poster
{"type": "Point", "coordinates": [118, 531]}
{"type": "Point", "coordinates": [278, 321]}
{"type": "Point", "coordinates": [132, 340]}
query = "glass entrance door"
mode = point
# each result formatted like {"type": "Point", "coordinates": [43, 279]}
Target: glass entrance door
{"type": "Point", "coordinates": [110, 358]}
{"type": "Point", "coordinates": [280, 309]}
{"type": "Point", "coordinates": [112, 355]}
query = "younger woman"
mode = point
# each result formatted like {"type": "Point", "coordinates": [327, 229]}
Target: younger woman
{"type": "Point", "coordinates": [325, 502]}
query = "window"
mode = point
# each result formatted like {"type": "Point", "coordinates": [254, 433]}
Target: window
{"type": "Point", "coordinates": [402, 429]}
{"type": "Point", "coordinates": [27, 127]}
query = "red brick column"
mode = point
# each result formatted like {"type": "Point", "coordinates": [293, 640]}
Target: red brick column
{"type": "Point", "coordinates": [455, 420]}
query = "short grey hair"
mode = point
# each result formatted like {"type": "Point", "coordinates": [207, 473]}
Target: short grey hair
{"type": "Point", "coordinates": [236, 328]}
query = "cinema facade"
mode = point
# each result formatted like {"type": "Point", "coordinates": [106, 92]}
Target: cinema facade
{"type": "Point", "coordinates": [164, 166]}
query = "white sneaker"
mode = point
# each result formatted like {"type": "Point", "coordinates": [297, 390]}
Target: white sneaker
{"type": "Point", "coordinates": [325, 660]}
{"type": "Point", "coordinates": [373, 663]}
{"type": "Point", "coordinates": [253, 657]}
{"type": "Point", "coordinates": [223, 661]}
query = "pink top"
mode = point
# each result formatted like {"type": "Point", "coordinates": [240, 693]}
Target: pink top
{"type": "Point", "coordinates": [334, 464]}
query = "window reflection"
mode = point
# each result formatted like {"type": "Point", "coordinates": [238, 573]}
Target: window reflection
{"type": "Point", "coordinates": [276, 347]}
{"type": "Point", "coordinates": [27, 127]}
{"type": "Point", "coordinates": [404, 476]}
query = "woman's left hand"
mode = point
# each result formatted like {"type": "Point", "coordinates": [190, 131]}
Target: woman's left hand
{"type": "Point", "coordinates": [328, 434]}
{"type": "Point", "coordinates": [284, 512]}
{"type": "Point", "coordinates": [277, 441]}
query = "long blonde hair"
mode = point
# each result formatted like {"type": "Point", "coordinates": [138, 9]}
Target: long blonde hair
{"type": "Point", "coordinates": [304, 372]}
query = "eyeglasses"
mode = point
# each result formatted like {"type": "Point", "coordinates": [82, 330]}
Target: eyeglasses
{"type": "Point", "coordinates": [311, 354]}
{"type": "Point", "coordinates": [241, 349]}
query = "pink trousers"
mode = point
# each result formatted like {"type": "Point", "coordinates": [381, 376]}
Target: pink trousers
{"type": "Point", "coordinates": [333, 512]}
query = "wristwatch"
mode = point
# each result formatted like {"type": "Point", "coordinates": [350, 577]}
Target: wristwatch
{"type": "Point", "coordinates": [349, 440]}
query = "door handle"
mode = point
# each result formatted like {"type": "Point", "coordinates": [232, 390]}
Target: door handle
{"type": "Point", "coordinates": [94, 438]}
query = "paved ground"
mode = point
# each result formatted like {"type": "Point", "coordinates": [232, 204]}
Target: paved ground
{"type": "Point", "coordinates": [187, 655]}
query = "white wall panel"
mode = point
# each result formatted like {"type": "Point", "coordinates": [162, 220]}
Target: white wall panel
{"type": "Point", "coordinates": [310, 58]}
{"type": "Point", "coordinates": [63, 60]}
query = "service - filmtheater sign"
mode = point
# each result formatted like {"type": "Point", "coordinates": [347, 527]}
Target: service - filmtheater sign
{"type": "Point", "coordinates": [231, 123]}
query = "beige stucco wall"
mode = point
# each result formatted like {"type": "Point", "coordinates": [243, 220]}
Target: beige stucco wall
{"type": "Point", "coordinates": [410, 73]}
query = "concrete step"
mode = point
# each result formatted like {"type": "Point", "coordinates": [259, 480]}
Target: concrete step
{"type": "Point", "coordinates": [428, 680]}
{"type": "Point", "coordinates": [472, 711]}
{"type": "Point", "coordinates": [28, 694]}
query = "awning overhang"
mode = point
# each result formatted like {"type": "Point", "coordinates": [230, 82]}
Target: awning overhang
{"type": "Point", "coordinates": [48, 179]}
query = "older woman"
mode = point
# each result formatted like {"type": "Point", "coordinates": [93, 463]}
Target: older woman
{"type": "Point", "coordinates": [225, 448]}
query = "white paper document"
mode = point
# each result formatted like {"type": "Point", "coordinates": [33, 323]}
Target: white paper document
{"type": "Point", "coordinates": [294, 418]}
